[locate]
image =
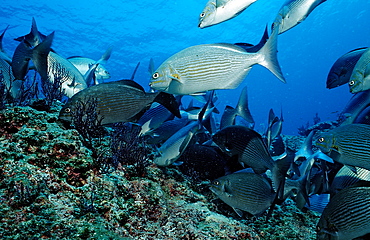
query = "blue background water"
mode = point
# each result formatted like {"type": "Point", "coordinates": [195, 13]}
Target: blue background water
{"type": "Point", "coordinates": [140, 30]}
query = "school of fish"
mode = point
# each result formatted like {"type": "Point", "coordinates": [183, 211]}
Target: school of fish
{"type": "Point", "coordinates": [330, 173]}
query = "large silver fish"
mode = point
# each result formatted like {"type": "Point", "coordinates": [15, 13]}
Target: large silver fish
{"type": "Point", "coordinates": [83, 65]}
{"type": "Point", "coordinates": [213, 66]}
{"type": "Point", "coordinates": [245, 191]}
{"type": "Point", "coordinates": [360, 78]}
{"type": "Point", "coordinates": [347, 144]}
{"type": "Point", "coordinates": [294, 12]}
{"type": "Point", "coordinates": [119, 101]}
{"type": "Point", "coordinates": [217, 11]}
{"type": "Point", "coordinates": [347, 215]}
{"type": "Point", "coordinates": [341, 70]}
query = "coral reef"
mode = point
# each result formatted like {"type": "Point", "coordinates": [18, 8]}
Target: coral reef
{"type": "Point", "coordinates": [50, 188]}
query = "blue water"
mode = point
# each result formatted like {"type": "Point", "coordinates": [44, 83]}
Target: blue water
{"type": "Point", "coordinates": [140, 30]}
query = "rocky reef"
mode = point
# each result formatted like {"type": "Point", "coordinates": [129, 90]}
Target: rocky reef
{"type": "Point", "coordinates": [51, 187]}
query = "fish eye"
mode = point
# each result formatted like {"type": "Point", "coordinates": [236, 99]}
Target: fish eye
{"type": "Point", "coordinates": [321, 139]}
{"type": "Point", "coordinates": [67, 110]}
{"type": "Point", "coordinates": [155, 75]}
{"type": "Point", "coordinates": [351, 83]}
{"type": "Point", "coordinates": [216, 183]}
{"type": "Point", "coordinates": [202, 14]}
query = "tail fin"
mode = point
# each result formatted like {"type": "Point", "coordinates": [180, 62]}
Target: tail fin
{"type": "Point", "coordinates": [106, 56]}
{"type": "Point", "coordinates": [269, 51]}
{"type": "Point", "coordinates": [242, 107]}
{"type": "Point", "coordinates": [40, 56]}
{"type": "Point", "coordinates": [169, 102]}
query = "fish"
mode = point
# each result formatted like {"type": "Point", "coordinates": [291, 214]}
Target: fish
{"type": "Point", "coordinates": [49, 65]}
{"type": "Point", "coordinates": [83, 64]}
{"type": "Point", "coordinates": [364, 116]}
{"type": "Point", "coordinates": [346, 177]}
{"type": "Point", "coordinates": [3, 55]}
{"type": "Point", "coordinates": [305, 151]}
{"type": "Point", "coordinates": [244, 191]}
{"type": "Point", "coordinates": [360, 77]}
{"type": "Point", "coordinates": [217, 11]}
{"type": "Point", "coordinates": [119, 101]}
{"type": "Point", "coordinates": [33, 38]}
{"type": "Point", "coordinates": [153, 118]}
{"type": "Point", "coordinates": [241, 109]}
{"type": "Point", "coordinates": [341, 70]}
{"type": "Point", "coordinates": [347, 144]}
{"type": "Point", "coordinates": [249, 146]}
{"type": "Point", "coordinates": [347, 215]}
{"type": "Point", "coordinates": [24, 52]}
{"type": "Point", "coordinates": [255, 48]}
{"type": "Point", "coordinates": [203, 162]}
{"type": "Point", "coordinates": [294, 12]}
{"type": "Point", "coordinates": [171, 150]}
{"type": "Point", "coordinates": [207, 67]}
{"type": "Point", "coordinates": [355, 106]}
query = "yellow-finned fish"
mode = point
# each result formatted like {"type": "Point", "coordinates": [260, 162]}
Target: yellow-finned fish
{"type": "Point", "coordinates": [347, 144]}
{"type": "Point", "coordinates": [217, 11]}
{"type": "Point", "coordinates": [360, 78]}
{"type": "Point", "coordinates": [213, 66]}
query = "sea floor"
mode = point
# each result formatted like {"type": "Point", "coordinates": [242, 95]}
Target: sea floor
{"type": "Point", "coordinates": [50, 188]}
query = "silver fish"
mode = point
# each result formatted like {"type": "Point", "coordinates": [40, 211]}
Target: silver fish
{"type": "Point", "coordinates": [213, 66]}
{"type": "Point", "coordinates": [341, 70]}
{"type": "Point", "coordinates": [172, 149]}
{"type": "Point", "coordinates": [294, 12]}
{"type": "Point", "coordinates": [119, 101]}
{"type": "Point", "coordinates": [347, 144]}
{"type": "Point", "coordinates": [217, 11]}
{"type": "Point", "coordinates": [83, 64]}
{"type": "Point", "coordinates": [360, 78]}
{"type": "Point", "coordinates": [249, 192]}
{"type": "Point", "coordinates": [347, 215]}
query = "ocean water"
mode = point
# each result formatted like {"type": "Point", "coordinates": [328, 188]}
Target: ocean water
{"type": "Point", "coordinates": [140, 30]}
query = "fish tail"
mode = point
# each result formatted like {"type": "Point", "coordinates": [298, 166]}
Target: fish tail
{"type": "Point", "coordinates": [279, 171]}
{"type": "Point", "coordinates": [106, 56]}
{"type": "Point", "coordinates": [40, 56]}
{"type": "Point", "coordinates": [169, 102]}
{"type": "Point", "coordinates": [242, 107]}
{"type": "Point", "coordinates": [269, 52]}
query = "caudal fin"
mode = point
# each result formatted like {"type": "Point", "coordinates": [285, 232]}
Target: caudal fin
{"type": "Point", "coordinates": [269, 52]}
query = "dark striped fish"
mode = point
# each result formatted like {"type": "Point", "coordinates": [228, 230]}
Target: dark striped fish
{"type": "Point", "coordinates": [294, 12]}
{"type": "Point", "coordinates": [341, 70]}
{"type": "Point", "coordinates": [119, 101]}
{"type": "Point", "coordinates": [249, 192]}
{"type": "Point", "coordinates": [346, 177]}
{"type": "Point", "coordinates": [347, 215]}
{"type": "Point", "coordinates": [347, 144]}
{"type": "Point", "coordinates": [213, 66]}
{"type": "Point", "coordinates": [247, 144]}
